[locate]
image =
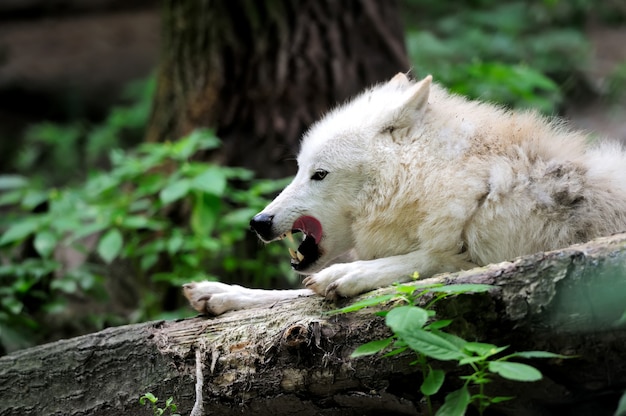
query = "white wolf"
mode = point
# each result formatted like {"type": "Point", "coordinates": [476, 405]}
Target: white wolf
{"type": "Point", "coordinates": [408, 177]}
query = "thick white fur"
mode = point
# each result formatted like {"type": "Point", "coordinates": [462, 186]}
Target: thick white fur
{"type": "Point", "coordinates": [422, 180]}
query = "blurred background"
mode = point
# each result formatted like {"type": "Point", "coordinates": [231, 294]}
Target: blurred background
{"type": "Point", "coordinates": [137, 138]}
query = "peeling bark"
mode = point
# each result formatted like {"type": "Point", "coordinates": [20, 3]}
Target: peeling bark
{"type": "Point", "coordinates": [293, 358]}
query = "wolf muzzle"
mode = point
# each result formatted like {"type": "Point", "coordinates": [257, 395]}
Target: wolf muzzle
{"type": "Point", "coordinates": [262, 225]}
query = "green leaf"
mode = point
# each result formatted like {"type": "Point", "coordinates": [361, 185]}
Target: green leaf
{"type": "Point", "coordinates": [396, 351]}
{"type": "Point", "coordinates": [10, 197]}
{"type": "Point", "coordinates": [12, 305]}
{"type": "Point", "coordinates": [34, 197]}
{"type": "Point", "coordinates": [175, 242]}
{"type": "Point", "coordinates": [204, 214]}
{"type": "Point", "coordinates": [472, 359]}
{"type": "Point", "coordinates": [88, 229]}
{"type": "Point", "coordinates": [373, 301]}
{"type": "Point", "coordinates": [135, 221]}
{"type": "Point", "coordinates": [20, 230]}
{"type": "Point", "coordinates": [12, 182]}
{"type": "Point", "coordinates": [148, 396]}
{"type": "Point", "coordinates": [432, 345]}
{"type": "Point", "coordinates": [197, 140]}
{"type": "Point", "coordinates": [500, 399]}
{"type": "Point", "coordinates": [175, 191]}
{"type": "Point", "coordinates": [211, 181]}
{"type": "Point", "coordinates": [403, 319]}
{"type": "Point", "coordinates": [461, 288]}
{"type": "Point", "coordinates": [515, 371]}
{"type": "Point", "coordinates": [433, 382]}
{"type": "Point", "coordinates": [438, 324]}
{"type": "Point", "coordinates": [110, 245]}
{"type": "Point", "coordinates": [45, 242]}
{"type": "Point", "coordinates": [537, 354]}
{"type": "Point", "coordinates": [148, 260]}
{"type": "Point", "coordinates": [482, 349]}
{"type": "Point", "coordinates": [451, 338]}
{"type": "Point", "coordinates": [621, 407]}
{"type": "Point", "coordinates": [456, 403]}
{"type": "Point", "coordinates": [371, 347]}
{"type": "Point", "coordinates": [65, 285]}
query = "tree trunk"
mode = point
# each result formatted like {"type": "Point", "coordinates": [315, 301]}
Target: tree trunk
{"type": "Point", "coordinates": [292, 358]}
{"type": "Point", "coordinates": [260, 72]}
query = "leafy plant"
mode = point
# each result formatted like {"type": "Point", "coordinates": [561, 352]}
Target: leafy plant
{"type": "Point", "coordinates": [621, 406]}
{"type": "Point", "coordinates": [477, 51]}
{"type": "Point", "coordinates": [130, 214]}
{"type": "Point", "coordinates": [64, 151]}
{"type": "Point", "coordinates": [149, 399]}
{"type": "Point", "coordinates": [415, 329]}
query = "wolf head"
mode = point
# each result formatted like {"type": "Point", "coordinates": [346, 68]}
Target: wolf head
{"type": "Point", "coordinates": [337, 163]}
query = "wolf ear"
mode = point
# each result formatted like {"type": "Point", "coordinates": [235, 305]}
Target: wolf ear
{"type": "Point", "coordinates": [412, 102]}
{"type": "Point", "coordinates": [400, 80]}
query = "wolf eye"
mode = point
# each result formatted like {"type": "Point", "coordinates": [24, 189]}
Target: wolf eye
{"type": "Point", "coordinates": [319, 175]}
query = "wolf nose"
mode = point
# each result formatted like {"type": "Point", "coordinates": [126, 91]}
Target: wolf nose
{"type": "Point", "coordinates": [262, 225]}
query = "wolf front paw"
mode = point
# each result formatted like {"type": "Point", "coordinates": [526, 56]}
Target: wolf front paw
{"type": "Point", "coordinates": [213, 298]}
{"type": "Point", "coordinates": [339, 280]}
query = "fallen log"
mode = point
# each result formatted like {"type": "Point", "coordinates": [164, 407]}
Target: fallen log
{"type": "Point", "coordinates": [294, 358]}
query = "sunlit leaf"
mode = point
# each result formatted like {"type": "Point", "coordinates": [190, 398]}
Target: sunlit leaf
{"type": "Point", "coordinates": [406, 318]}
{"type": "Point", "coordinates": [482, 349]}
{"type": "Point", "coordinates": [32, 198]}
{"type": "Point", "coordinates": [211, 181]}
{"type": "Point", "coordinates": [432, 345]}
{"type": "Point", "coordinates": [110, 245]}
{"type": "Point", "coordinates": [20, 230]}
{"type": "Point", "coordinates": [174, 191]}
{"type": "Point", "coordinates": [45, 242]}
{"type": "Point", "coordinates": [12, 182]}
{"type": "Point", "coordinates": [64, 285]}
{"type": "Point", "coordinates": [515, 371]}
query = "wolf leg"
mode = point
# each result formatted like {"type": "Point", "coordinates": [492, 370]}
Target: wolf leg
{"type": "Point", "coordinates": [351, 279]}
{"type": "Point", "coordinates": [216, 298]}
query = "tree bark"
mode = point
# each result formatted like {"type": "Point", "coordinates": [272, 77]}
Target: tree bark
{"type": "Point", "coordinates": [260, 72]}
{"type": "Point", "coordinates": [293, 358]}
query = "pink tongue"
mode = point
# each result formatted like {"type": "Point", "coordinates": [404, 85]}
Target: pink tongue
{"type": "Point", "coordinates": [310, 226]}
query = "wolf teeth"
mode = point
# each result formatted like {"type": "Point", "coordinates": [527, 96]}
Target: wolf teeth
{"type": "Point", "coordinates": [296, 255]}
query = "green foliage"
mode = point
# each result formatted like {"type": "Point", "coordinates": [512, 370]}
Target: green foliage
{"type": "Point", "coordinates": [130, 214]}
{"type": "Point", "coordinates": [621, 406]}
{"type": "Point", "coordinates": [616, 83]}
{"type": "Point", "coordinates": [414, 328]}
{"type": "Point", "coordinates": [149, 399]}
{"type": "Point", "coordinates": [516, 53]}
{"type": "Point", "coordinates": [61, 151]}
